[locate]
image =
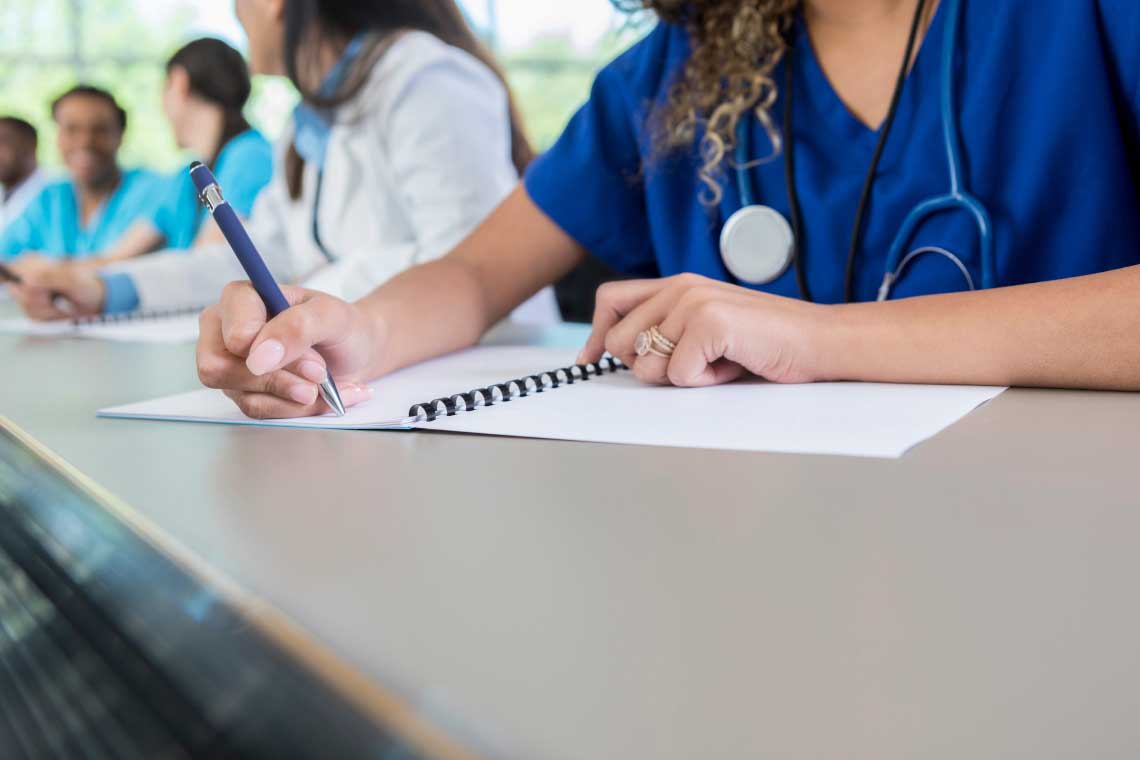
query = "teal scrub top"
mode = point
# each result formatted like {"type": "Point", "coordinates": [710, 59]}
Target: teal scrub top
{"type": "Point", "coordinates": [50, 224]}
{"type": "Point", "coordinates": [243, 167]}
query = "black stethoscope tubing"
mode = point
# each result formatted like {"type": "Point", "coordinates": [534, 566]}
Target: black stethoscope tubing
{"type": "Point", "coordinates": [316, 217]}
{"type": "Point", "coordinates": [868, 182]}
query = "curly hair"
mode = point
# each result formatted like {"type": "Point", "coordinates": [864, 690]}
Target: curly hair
{"type": "Point", "coordinates": [735, 46]}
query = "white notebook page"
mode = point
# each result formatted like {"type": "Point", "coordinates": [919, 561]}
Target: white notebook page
{"type": "Point", "coordinates": [854, 419]}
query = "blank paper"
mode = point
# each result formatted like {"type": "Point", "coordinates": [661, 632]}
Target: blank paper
{"type": "Point", "coordinates": [854, 419]}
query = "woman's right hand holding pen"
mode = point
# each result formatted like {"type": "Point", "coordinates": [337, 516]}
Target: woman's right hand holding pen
{"type": "Point", "coordinates": [271, 369]}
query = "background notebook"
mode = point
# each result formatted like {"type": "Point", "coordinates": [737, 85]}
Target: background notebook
{"type": "Point", "coordinates": [857, 419]}
{"type": "Point", "coordinates": [171, 326]}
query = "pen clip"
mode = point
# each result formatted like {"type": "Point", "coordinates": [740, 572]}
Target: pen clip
{"type": "Point", "coordinates": [209, 192]}
{"type": "Point", "coordinates": [211, 196]}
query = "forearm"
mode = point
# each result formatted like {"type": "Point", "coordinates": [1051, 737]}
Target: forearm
{"type": "Point", "coordinates": [210, 234]}
{"type": "Point", "coordinates": [140, 239]}
{"type": "Point", "coordinates": [424, 312]}
{"type": "Point", "coordinates": [448, 304]}
{"type": "Point", "coordinates": [172, 279]}
{"type": "Point", "coordinates": [1077, 333]}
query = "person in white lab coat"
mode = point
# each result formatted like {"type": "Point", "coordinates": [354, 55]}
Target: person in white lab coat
{"type": "Point", "coordinates": [406, 138]}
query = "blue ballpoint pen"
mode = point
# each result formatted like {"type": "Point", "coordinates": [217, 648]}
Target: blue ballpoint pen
{"type": "Point", "coordinates": [251, 261]}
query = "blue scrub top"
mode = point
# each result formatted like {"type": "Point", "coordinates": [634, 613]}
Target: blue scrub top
{"type": "Point", "coordinates": [1049, 103]}
{"type": "Point", "coordinates": [50, 224]}
{"type": "Point", "coordinates": [243, 167]}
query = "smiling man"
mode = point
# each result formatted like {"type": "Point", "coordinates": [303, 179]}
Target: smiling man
{"type": "Point", "coordinates": [86, 213]}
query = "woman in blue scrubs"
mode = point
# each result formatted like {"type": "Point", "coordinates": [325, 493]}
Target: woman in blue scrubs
{"type": "Point", "coordinates": [842, 104]}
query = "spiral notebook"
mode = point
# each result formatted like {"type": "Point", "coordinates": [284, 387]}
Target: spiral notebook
{"type": "Point", "coordinates": [158, 326]}
{"type": "Point", "coordinates": [505, 391]}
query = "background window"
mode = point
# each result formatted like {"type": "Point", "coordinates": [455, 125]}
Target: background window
{"type": "Point", "coordinates": [550, 50]}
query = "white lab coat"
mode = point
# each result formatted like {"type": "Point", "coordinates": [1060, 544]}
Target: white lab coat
{"type": "Point", "coordinates": [415, 162]}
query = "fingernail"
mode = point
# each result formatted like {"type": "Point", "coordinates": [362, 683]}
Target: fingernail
{"type": "Point", "coordinates": [354, 394]}
{"type": "Point", "coordinates": [581, 357]}
{"type": "Point", "coordinates": [265, 357]}
{"type": "Point", "coordinates": [312, 371]}
{"type": "Point", "coordinates": [303, 394]}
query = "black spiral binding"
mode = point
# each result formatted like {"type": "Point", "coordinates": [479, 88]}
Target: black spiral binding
{"type": "Point", "coordinates": [504, 392]}
{"type": "Point", "coordinates": [136, 316]}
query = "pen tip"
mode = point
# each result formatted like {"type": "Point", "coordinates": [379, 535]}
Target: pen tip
{"type": "Point", "coordinates": [331, 396]}
{"type": "Point", "coordinates": [195, 165]}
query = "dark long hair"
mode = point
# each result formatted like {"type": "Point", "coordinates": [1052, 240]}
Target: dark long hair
{"type": "Point", "coordinates": [218, 74]}
{"type": "Point", "coordinates": [310, 21]}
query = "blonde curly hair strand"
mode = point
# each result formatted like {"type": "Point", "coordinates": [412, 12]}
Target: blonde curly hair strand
{"type": "Point", "coordinates": [736, 44]}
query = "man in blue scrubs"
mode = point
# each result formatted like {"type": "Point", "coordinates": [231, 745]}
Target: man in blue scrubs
{"type": "Point", "coordinates": [81, 216]}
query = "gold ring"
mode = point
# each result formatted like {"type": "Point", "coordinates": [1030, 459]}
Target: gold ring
{"type": "Point", "coordinates": [651, 341]}
{"type": "Point", "coordinates": [660, 340]}
{"type": "Point", "coordinates": [642, 343]}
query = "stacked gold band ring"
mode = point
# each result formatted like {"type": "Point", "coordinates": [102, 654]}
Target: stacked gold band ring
{"type": "Point", "coordinates": [651, 341]}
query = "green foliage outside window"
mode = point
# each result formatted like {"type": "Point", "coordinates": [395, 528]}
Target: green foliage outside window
{"type": "Point", "coordinates": [123, 45]}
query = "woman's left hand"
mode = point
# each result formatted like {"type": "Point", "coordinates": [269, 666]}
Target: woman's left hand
{"type": "Point", "coordinates": [721, 332]}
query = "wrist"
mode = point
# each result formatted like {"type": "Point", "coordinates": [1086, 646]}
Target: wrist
{"type": "Point", "coordinates": [842, 342]}
{"type": "Point", "coordinates": [373, 330]}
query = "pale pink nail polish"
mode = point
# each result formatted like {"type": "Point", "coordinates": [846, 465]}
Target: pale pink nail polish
{"type": "Point", "coordinates": [303, 394]}
{"type": "Point", "coordinates": [265, 357]}
{"type": "Point", "coordinates": [312, 371]}
{"type": "Point", "coordinates": [354, 394]}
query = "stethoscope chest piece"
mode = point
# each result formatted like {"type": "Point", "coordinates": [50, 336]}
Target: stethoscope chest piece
{"type": "Point", "coordinates": [757, 245]}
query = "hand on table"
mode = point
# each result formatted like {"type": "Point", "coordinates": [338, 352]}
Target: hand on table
{"type": "Point", "coordinates": [721, 331]}
{"type": "Point", "coordinates": [271, 370]}
{"type": "Point", "coordinates": [28, 264]}
{"type": "Point", "coordinates": [54, 289]}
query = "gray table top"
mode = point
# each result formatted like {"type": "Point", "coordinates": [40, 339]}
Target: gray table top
{"type": "Point", "coordinates": [568, 600]}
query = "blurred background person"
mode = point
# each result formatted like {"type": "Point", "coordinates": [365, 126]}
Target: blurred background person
{"type": "Point", "coordinates": [21, 178]}
{"type": "Point", "coordinates": [97, 203]}
{"type": "Point", "coordinates": [405, 139]}
{"type": "Point", "coordinates": [204, 97]}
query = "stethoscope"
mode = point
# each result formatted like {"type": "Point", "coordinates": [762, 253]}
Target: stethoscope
{"type": "Point", "coordinates": [758, 244]}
